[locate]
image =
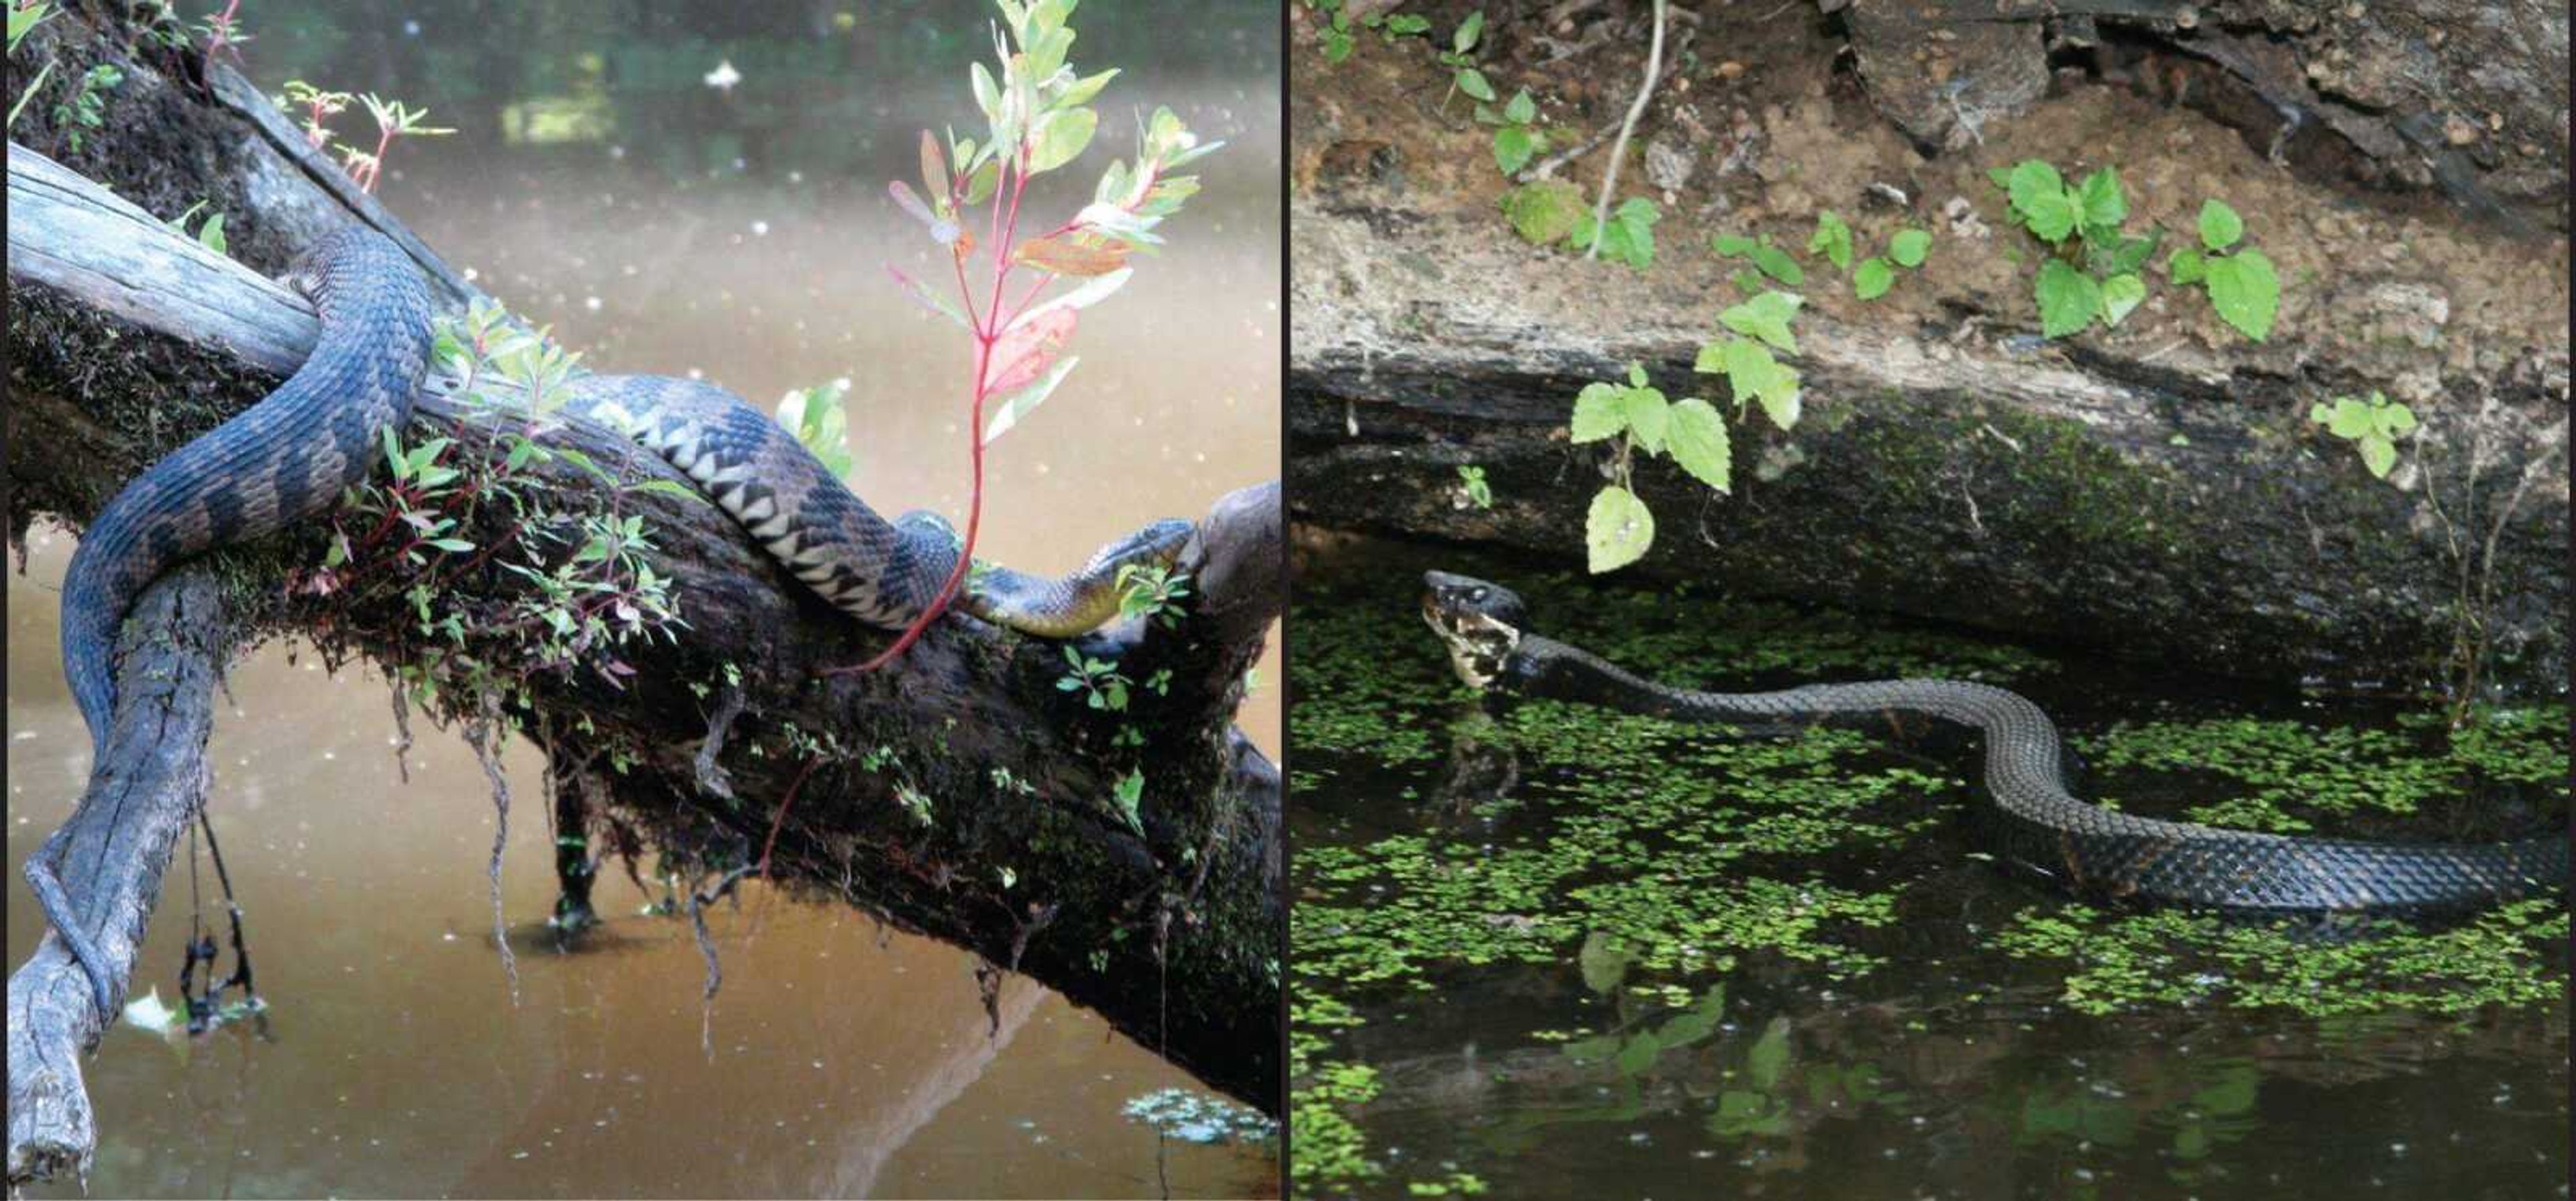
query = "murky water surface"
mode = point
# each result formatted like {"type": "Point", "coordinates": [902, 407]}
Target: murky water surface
{"type": "Point", "coordinates": [839, 1059]}
{"type": "Point", "coordinates": [1556, 952]}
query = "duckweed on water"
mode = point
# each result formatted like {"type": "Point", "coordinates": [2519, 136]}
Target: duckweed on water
{"type": "Point", "coordinates": [1650, 862]}
{"type": "Point", "coordinates": [2272, 774]}
{"type": "Point", "coordinates": [2172, 958]}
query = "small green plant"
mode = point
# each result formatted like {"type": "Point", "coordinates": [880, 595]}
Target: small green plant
{"type": "Point", "coordinates": [394, 120]}
{"type": "Point", "coordinates": [1151, 592]}
{"type": "Point", "coordinates": [2242, 285]}
{"type": "Point", "coordinates": [1461, 61]}
{"type": "Point", "coordinates": [1471, 478]}
{"type": "Point", "coordinates": [1514, 139]}
{"type": "Point", "coordinates": [2373, 426]}
{"type": "Point", "coordinates": [2093, 273]}
{"type": "Point", "coordinates": [1039, 119]}
{"type": "Point", "coordinates": [1871, 278]}
{"type": "Point", "coordinates": [210, 234]}
{"type": "Point", "coordinates": [1097, 679]}
{"type": "Point", "coordinates": [1338, 40]}
{"type": "Point", "coordinates": [1832, 239]}
{"type": "Point", "coordinates": [1756, 328]}
{"type": "Point", "coordinates": [815, 416]}
{"type": "Point", "coordinates": [1877, 273]}
{"type": "Point", "coordinates": [1628, 237]}
{"type": "Point", "coordinates": [1128, 798]}
{"type": "Point", "coordinates": [24, 17]}
{"type": "Point", "coordinates": [1767, 260]}
{"type": "Point", "coordinates": [1391, 26]}
{"type": "Point", "coordinates": [1619, 529]}
{"type": "Point", "coordinates": [319, 107]}
{"type": "Point", "coordinates": [87, 107]}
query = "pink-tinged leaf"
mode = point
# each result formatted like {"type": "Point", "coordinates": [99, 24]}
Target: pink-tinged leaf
{"type": "Point", "coordinates": [1026, 350]}
{"type": "Point", "coordinates": [942, 231]}
{"type": "Point", "coordinates": [926, 298]}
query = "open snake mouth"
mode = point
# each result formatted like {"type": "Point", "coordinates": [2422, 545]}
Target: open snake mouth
{"type": "Point", "coordinates": [1476, 623]}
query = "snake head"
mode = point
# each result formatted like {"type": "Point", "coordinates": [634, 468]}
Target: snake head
{"type": "Point", "coordinates": [1479, 622]}
{"type": "Point", "coordinates": [1157, 545]}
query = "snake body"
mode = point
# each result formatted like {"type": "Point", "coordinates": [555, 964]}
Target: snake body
{"type": "Point", "coordinates": [2043, 827]}
{"type": "Point", "coordinates": [291, 455]}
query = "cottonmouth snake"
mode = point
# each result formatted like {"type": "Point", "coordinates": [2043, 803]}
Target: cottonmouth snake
{"type": "Point", "coordinates": [290, 456]}
{"type": "Point", "coordinates": [2043, 827]}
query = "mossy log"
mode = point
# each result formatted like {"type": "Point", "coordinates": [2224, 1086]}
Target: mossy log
{"type": "Point", "coordinates": [2158, 493]}
{"type": "Point", "coordinates": [126, 339]}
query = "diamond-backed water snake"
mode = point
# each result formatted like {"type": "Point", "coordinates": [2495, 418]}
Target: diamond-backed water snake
{"type": "Point", "coordinates": [2042, 826]}
{"type": "Point", "coordinates": [290, 456]}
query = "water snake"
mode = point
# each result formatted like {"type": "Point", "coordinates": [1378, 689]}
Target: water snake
{"type": "Point", "coordinates": [2042, 826]}
{"type": "Point", "coordinates": [291, 455]}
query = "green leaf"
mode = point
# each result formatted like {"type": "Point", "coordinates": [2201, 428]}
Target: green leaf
{"type": "Point", "coordinates": [1085, 88]}
{"type": "Point", "coordinates": [1777, 264]}
{"type": "Point", "coordinates": [988, 96]}
{"type": "Point", "coordinates": [1636, 375]}
{"type": "Point", "coordinates": [1617, 531]}
{"type": "Point", "coordinates": [1472, 82]}
{"type": "Point", "coordinates": [1646, 411]}
{"type": "Point", "coordinates": [1769, 1056]}
{"type": "Point", "coordinates": [459, 544]}
{"type": "Point", "coordinates": [2246, 292]}
{"type": "Point", "coordinates": [2068, 299]}
{"type": "Point", "coordinates": [2392, 419]}
{"type": "Point", "coordinates": [1021, 403]}
{"type": "Point", "coordinates": [2099, 194]}
{"type": "Point", "coordinates": [1766, 317]}
{"type": "Point", "coordinates": [1522, 110]}
{"type": "Point", "coordinates": [1513, 145]}
{"type": "Point", "coordinates": [1599, 412]}
{"type": "Point", "coordinates": [2186, 266]}
{"type": "Point", "coordinates": [2039, 195]}
{"type": "Point", "coordinates": [2131, 254]}
{"type": "Point", "coordinates": [2121, 293]}
{"type": "Point", "coordinates": [1780, 395]}
{"type": "Point", "coordinates": [670, 488]}
{"type": "Point", "coordinates": [211, 234]}
{"type": "Point", "coordinates": [1909, 247]}
{"type": "Point", "coordinates": [2378, 454]}
{"type": "Point", "coordinates": [1638, 1053]}
{"type": "Point", "coordinates": [1756, 376]}
{"type": "Point", "coordinates": [2220, 227]}
{"type": "Point", "coordinates": [1061, 136]}
{"type": "Point", "coordinates": [2348, 418]}
{"type": "Point", "coordinates": [1699, 442]}
{"type": "Point", "coordinates": [1746, 280]}
{"type": "Point", "coordinates": [1603, 961]}
{"type": "Point", "coordinates": [1833, 239]}
{"type": "Point", "coordinates": [1468, 31]}
{"type": "Point", "coordinates": [1731, 245]}
{"type": "Point", "coordinates": [1873, 279]}
{"type": "Point", "coordinates": [1543, 211]}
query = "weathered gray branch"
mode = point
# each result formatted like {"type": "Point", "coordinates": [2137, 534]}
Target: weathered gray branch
{"type": "Point", "coordinates": [142, 793]}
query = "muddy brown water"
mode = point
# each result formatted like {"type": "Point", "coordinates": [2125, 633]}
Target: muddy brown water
{"type": "Point", "coordinates": [839, 1059]}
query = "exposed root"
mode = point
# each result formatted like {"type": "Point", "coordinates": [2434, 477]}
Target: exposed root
{"type": "Point", "coordinates": [713, 780]}
{"type": "Point", "coordinates": [481, 734]}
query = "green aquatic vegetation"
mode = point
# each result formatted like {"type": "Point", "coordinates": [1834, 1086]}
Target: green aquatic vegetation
{"type": "Point", "coordinates": [1330, 1149]}
{"type": "Point", "coordinates": [2280, 774]}
{"type": "Point", "coordinates": [2175, 958]}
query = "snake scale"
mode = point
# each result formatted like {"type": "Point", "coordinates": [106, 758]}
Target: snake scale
{"type": "Point", "coordinates": [2043, 827]}
{"type": "Point", "coordinates": [291, 455]}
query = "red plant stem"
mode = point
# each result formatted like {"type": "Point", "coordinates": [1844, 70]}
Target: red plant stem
{"type": "Point", "coordinates": [780, 822]}
{"type": "Point", "coordinates": [986, 334]}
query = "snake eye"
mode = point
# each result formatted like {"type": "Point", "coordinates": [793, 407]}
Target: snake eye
{"type": "Point", "coordinates": [1478, 594]}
